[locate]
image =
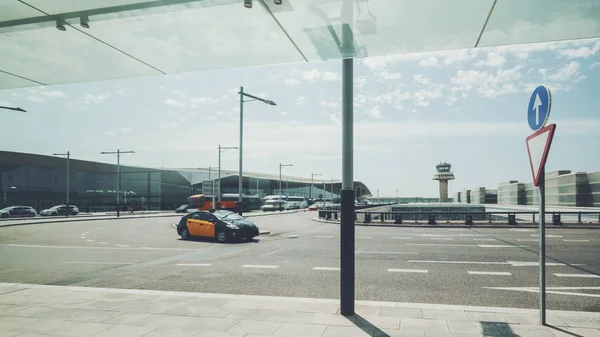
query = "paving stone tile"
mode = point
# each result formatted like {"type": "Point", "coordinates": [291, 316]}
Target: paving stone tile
{"type": "Point", "coordinates": [534, 319]}
{"type": "Point", "coordinates": [8, 333]}
{"type": "Point", "coordinates": [156, 320]}
{"type": "Point", "coordinates": [450, 315]}
{"type": "Point", "coordinates": [378, 322]}
{"type": "Point", "coordinates": [581, 322]}
{"type": "Point", "coordinates": [211, 323]}
{"type": "Point", "coordinates": [257, 327]}
{"type": "Point", "coordinates": [245, 304]}
{"type": "Point", "coordinates": [401, 312]}
{"type": "Point", "coordinates": [254, 314]}
{"type": "Point", "coordinates": [326, 308]}
{"type": "Point", "coordinates": [78, 329]}
{"type": "Point", "coordinates": [569, 332]}
{"type": "Point", "coordinates": [346, 331]}
{"type": "Point", "coordinates": [484, 328]}
{"type": "Point", "coordinates": [291, 317]}
{"type": "Point", "coordinates": [172, 332]}
{"type": "Point", "coordinates": [121, 330]}
{"type": "Point", "coordinates": [332, 319]}
{"type": "Point", "coordinates": [490, 317]}
{"type": "Point", "coordinates": [524, 330]}
{"type": "Point", "coordinates": [420, 324]}
{"type": "Point", "coordinates": [213, 333]}
{"type": "Point", "coordinates": [398, 333]}
{"type": "Point", "coordinates": [300, 330]}
{"type": "Point", "coordinates": [207, 311]}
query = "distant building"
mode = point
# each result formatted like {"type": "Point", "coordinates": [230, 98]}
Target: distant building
{"type": "Point", "coordinates": [481, 195]}
{"type": "Point", "coordinates": [443, 175]}
{"type": "Point", "coordinates": [563, 188]}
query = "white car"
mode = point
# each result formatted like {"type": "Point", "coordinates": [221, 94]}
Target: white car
{"type": "Point", "coordinates": [60, 210]}
{"type": "Point", "coordinates": [274, 205]}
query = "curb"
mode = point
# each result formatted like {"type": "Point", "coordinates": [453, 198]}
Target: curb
{"type": "Point", "coordinates": [374, 224]}
{"type": "Point", "coordinates": [433, 306]}
{"type": "Point", "coordinates": [85, 219]}
{"type": "Point", "coordinates": [260, 232]}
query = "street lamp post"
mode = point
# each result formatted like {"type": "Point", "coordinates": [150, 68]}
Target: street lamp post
{"type": "Point", "coordinates": [252, 98]}
{"type": "Point", "coordinates": [4, 187]}
{"type": "Point", "coordinates": [312, 181]}
{"type": "Point", "coordinates": [68, 156]}
{"type": "Point", "coordinates": [11, 108]}
{"type": "Point", "coordinates": [118, 153]}
{"type": "Point", "coordinates": [221, 149]}
{"type": "Point", "coordinates": [280, 166]}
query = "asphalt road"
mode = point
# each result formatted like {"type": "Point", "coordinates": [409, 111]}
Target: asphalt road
{"type": "Point", "coordinates": [482, 267]}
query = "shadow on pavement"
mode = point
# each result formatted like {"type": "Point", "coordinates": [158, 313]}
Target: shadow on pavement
{"type": "Point", "coordinates": [552, 327]}
{"type": "Point", "coordinates": [492, 328]}
{"type": "Point", "coordinates": [366, 326]}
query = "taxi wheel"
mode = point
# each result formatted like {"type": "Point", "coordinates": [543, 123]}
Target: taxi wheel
{"type": "Point", "coordinates": [185, 234]}
{"type": "Point", "coordinates": [221, 236]}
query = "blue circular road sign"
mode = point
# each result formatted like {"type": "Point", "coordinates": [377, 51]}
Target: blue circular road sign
{"type": "Point", "coordinates": [538, 110]}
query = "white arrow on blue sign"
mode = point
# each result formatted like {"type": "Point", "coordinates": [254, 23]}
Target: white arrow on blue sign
{"type": "Point", "coordinates": [539, 107]}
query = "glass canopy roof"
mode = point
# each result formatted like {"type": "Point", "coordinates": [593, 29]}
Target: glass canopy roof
{"type": "Point", "coordinates": [128, 38]}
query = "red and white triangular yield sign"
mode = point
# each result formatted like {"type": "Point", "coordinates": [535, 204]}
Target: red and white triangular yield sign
{"type": "Point", "coordinates": [538, 146]}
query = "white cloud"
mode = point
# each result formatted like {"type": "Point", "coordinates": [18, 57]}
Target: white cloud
{"type": "Point", "coordinates": [374, 112]}
{"type": "Point", "coordinates": [424, 97]}
{"type": "Point", "coordinates": [421, 79]}
{"type": "Point", "coordinates": [360, 82]}
{"type": "Point", "coordinates": [125, 129]}
{"type": "Point", "coordinates": [379, 63]}
{"type": "Point", "coordinates": [283, 113]}
{"type": "Point", "coordinates": [490, 85]}
{"type": "Point", "coordinates": [203, 100]}
{"type": "Point", "coordinates": [522, 56]}
{"type": "Point", "coordinates": [34, 98]}
{"type": "Point", "coordinates": [386, 75]}
{"type": "Point", "coordinates": [177, 92]}
{"type": "Point", "coordinates": [54, 94]}
{"type": "Point", "coordinates": [568, 72]}
{"type": "Point", "coordinates": [290, 82]}
{"type": "Point", "coordinates": [331, 76]}
{"type": "Point", "coordinates": [594, 65]}
{"type": "Point", "coordinates": [430, 61]}
{"type": "Point", "coordinates": [581, 52]}
{"type": "Point", "coordinates": [311, 75]}
{"type": "Point", "coordinates": [387, 98]}
{"type": "Point", "coordinates": [459, 56]}
{"type": "Point", "coordinates": [174, 103]}
{"type": "Point", "coordinates": [109, 133]}
{"type": "Point", "coordinates": [212, 118]}
{"type": "Point", "coordinates": [300, 101]}
{"type": "Point", "coordinates": [330, 104]}
{"type": "Point", "coordinates": [451, 100]}
{"type": "Point", "coordinates": [495, 60]}
{"type": "Point", "coordinates": [91, 98]}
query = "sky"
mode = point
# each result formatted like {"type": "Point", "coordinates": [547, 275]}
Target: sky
{"type": "Point", "coordinates": [466, 107]}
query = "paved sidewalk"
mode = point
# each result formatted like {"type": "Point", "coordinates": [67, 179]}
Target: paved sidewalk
{"type": "Point", "coordinates": [37, 310]}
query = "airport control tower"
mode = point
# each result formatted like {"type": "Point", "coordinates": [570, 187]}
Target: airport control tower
{"type": "Point", "coordinates": [443, 175]}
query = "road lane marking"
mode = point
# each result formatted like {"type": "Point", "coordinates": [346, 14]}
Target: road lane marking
{"type": "Point", "coordinates": [93, 247]}
{"type": "Point", "coordinates": [400, 238]}
{"type": "Point", "coordinates": [529, 240]}
{"type": "Point", "coordinates": [471, 235]}
{"type": "Point", "coordinates": [90, 262]}
{"type": "Point", "coordinates": [369, 252]}
{"type": "Point", "coordinates": [499, 246]}
{"type": "Point", "coordinates": [194, 264]}
{"type": "Point", "coordinates": [88, 240]}
{"type": "Point", "coordinates": [291, 236]}
{"type": "Point", "coordinates": [123, 246]}
{"type": "Point", "coordinates": [552, 290]}
{"type": "Point", "coordinates": [535, 264]}
{"type": "Point", "coordinates": [364, 237]}
{"type": "Point", "coordinates": [548, 236]}
{"type": "Point", "coordinates": [273, 252]}
{"type": "Point", "coordinates": [522, 230]}
{"type": "Point", "coordinates": [439, 244]}
{"type": "Point", "coordinates": [566, 240]}
{"type": "Point", "coordinates": [324, 236]}
{"type": "Point", "coordinates": [457, 262]}
{"type": "Point", "coordinates": [102, 243]}
{"type": "Point", "coordinates": [497, 273]}
{"type": "Point", "coordinates": [265, 266]}
{"type": "Point", "coordinates": [578, 275]}
{"type": "Point", "coordinates": [408, 271]}
{"type": "Point", "coordinates": [484, 239]}
{"type": "Point", "coordinates": [83, 236]}
{"type": "Point", "coordinates": [326, 268]}
{"type": "Point", "coordinates": [441, 239]}
{"type": "Point", "coordinates": [432, 235]}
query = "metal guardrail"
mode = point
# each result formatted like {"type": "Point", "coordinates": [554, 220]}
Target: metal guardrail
{"type": "Point", "coordinates": [468, 217]}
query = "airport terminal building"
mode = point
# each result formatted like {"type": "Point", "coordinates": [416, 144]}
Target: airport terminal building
{"type": "Point", "coordinates": [40, 181]}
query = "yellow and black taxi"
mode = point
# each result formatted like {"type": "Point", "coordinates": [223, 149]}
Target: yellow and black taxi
{"type": "Point", "coordinates": [220, 224]}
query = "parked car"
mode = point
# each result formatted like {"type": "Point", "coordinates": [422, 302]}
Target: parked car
{"type": "Point", "coordinates": [274, 205]}
{"type": "Point", "coordinates": [183, 208]}
{"type": "Point", "coordinates": [222, 225]}
{"type": "Point", "coordinates": [17, 211]}
{"type": "Point", "coordinates": [60, 210]}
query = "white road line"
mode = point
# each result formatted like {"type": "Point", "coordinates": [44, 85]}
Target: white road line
{"type": "Point", "coordinates": [441, 239]}
{"type": "Point", "coordinates": [529, 240]}
{"type": "Point", "coordinates": [94, 247]}
{"type": "Point", "coordinates": [503, 273]}
{"type": "Point", "coordinates": [102, 243]}
{"type": "Point", "coordinates": [535, 264]}
{"type": "Point", "coordinates": [324, 236]}
{"type": "Point", "coordinates": [369, 252]}
{"type": "Point", "coordinates": [457, 262]}
{"type": "Point", "coordinates": [75, 262]}
{"type": "Point", "coordinates": [259, 266]}
{"type": "Point", "coordinates": [273, 252]}
{"type": "Point", "coordinates": [123, 246]}
{"type": "Point", "coordinates": [547, 236]}
{"type": "Point", "coordinates": [88, 240]}
{"type": "Point", "coordinates": [471, 235]}
{"type": "Point", "coordinates": [408, 270]}
{"type": "Point", "coordinates": [326, 268]}
{"type": "Point", "coordinates": [432, 235]}
{"type": "Point", "coordinates": [364, 237]}
{"type": "Point", "coordinates": [484, 239]}
{"type": "Point", "coordinates": [194, 264]}
{"type": "Point", "coordinates": [499, 246]}
{"type": "Point", "coordinates": [83, 236]}
{"type": "Point", "coordinates": [400, 238]}
{"type": "Point", "coordinates": [522, 230]}
{"type": "Point", "coordinates": [578, 275]}
{"type": "Point", "coordinates": [441, 244]}
{"type": "Point", "coordinates": [566, 240]}
{"type": "Point", "coordinates": [292, 236]}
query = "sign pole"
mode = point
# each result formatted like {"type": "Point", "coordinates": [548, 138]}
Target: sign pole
{"type": "Point", "coordinates": [542, 253]}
